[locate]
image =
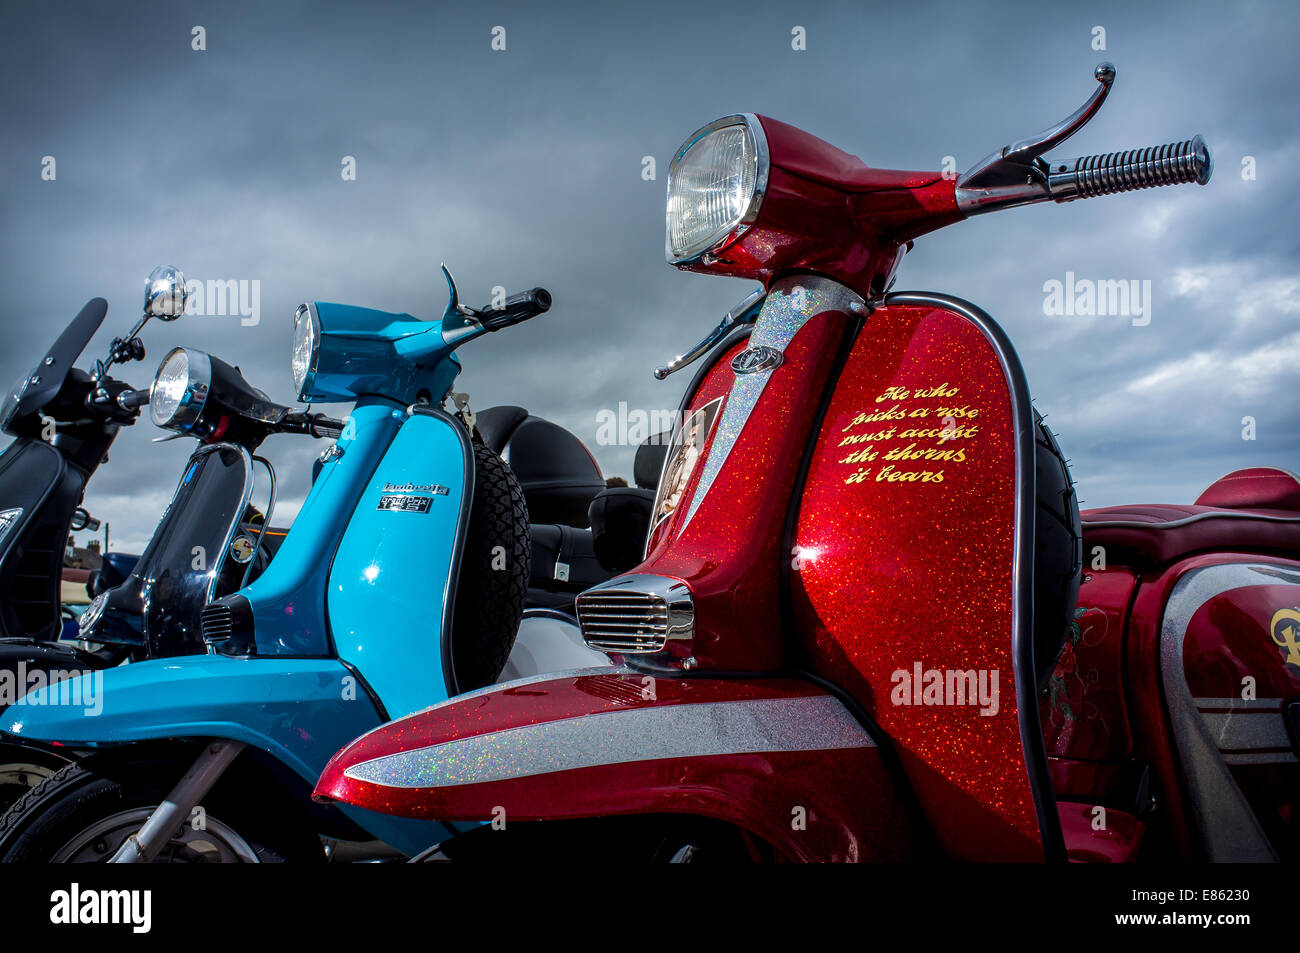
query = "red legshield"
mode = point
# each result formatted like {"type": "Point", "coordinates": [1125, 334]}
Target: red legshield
{"type": "Point", "coordinates": [912, 567]}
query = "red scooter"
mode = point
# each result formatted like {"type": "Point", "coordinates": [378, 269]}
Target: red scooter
{"type": "Point", "coordinates": [858, 632]}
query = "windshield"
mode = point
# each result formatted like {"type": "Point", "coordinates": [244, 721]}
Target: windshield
{"type": "Point", "coordinates": [190, 552]}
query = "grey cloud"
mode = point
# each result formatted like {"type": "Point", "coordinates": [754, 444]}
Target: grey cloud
{"type": "Point", "coordinates": [523, 168]}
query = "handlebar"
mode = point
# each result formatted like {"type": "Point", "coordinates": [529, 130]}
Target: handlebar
{"type": "Point", "coordinates": [133, 399]}
{"type": "Point", "coordinates": [313, 425]}
{"type": "Point", "coordinates": [1019, 175]}
{"type": "Point", "coordinates": [515, 310]}
{"type": "Point", "coordinates": [1105, 173]}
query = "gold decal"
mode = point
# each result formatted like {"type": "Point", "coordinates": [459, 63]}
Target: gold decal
{"type": "Point", "coordinates": [951, 426]}
{"type": "Point", "coordinates": [1285, 628]}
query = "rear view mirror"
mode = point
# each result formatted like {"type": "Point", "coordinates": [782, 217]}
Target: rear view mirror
{"type": "Point", "coordinates": [164, 293]}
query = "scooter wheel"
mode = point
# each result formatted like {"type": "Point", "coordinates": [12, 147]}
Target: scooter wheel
{"type": "Point", "coordinates": [1058, 550]}
{"type": "Point", "coordinates": [83, 815]}
{"type": "Point", "coordinates": [493, 580]}
{"type": "Point", "coordinates": [22, 768]}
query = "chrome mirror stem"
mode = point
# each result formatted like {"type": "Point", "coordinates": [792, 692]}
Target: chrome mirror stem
{"type": "Point", "coordinates": [733, 318]}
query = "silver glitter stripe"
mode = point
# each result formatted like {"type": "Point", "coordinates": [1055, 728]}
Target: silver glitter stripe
{"type": "Point", "coordinates": [816, 723]}
{"type": "Point", "coordinates": [790, 304]}
{"type": "Point", "coordinates": [1221, 818]}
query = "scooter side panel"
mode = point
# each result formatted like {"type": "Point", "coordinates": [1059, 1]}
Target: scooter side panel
{"type": "Point", "coordinates": [912, 562]}
{"type": "Point", "coordinates": [395, 569]}
{"type": "Point", "coordinates": [779, 758]}
{"type": "Point", "coordinates": [1215, 637]}
{"type": "Point", "coordinates": [288, 600]}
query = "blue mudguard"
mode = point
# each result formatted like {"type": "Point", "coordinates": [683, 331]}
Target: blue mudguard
{"type": "Point", "coordinates": [300, 711]}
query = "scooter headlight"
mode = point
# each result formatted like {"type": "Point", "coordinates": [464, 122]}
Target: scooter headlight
{"type": "Point", "coordinates": [180, 389]}
{"type": "Point", "coordinates": [306, 346]}
{"type": "Point", "coordinates": [715, 187]}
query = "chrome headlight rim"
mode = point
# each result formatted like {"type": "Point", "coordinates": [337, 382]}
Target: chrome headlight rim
{"type": "Point", "coordinates": [723, 238]}
{"type": "Point", "coordinates": [307, 382]}
{"type": "Point", "coordinates": [189, 406]}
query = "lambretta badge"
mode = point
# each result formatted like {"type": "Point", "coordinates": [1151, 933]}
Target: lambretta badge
{"type": "Point", "coordinates": [242, 549]}
{"type": "Point", "coordinates": [755, 359]}
{"type": "Point", "coordinates": [407, 498]}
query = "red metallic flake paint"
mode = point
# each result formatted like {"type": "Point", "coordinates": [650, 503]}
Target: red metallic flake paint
{"type": "Point", "coordinates": [896, 574]}
{"type": "Point", "coordinates": [823, 805]}
{"type": "Point", "coordinates": [730, 552]}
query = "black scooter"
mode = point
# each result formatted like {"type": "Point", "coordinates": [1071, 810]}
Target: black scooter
{"type": "Point", "coordinates": [63, 421]}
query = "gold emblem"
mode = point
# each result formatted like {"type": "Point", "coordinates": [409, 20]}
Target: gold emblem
{"type": "Point", "coordinates": [1285, 629]}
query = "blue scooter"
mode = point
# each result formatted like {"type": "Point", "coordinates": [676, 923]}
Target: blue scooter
{"type": "Point", "coordinates": [401, 582]}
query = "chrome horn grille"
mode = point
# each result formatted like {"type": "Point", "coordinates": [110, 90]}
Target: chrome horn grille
{"type": "Point", "coordinates": [636, 614]}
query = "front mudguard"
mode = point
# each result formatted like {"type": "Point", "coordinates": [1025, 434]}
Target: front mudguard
{"type": "Point", "coordinates": [298, 711]}
{"type": "Point", "coordinates": [779, 758]}
{"type": "Point", "coordinates": [294, 709]}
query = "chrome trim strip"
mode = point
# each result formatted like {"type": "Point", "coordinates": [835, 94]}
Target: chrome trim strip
{"type": "Point", "coordinates": [711, 729]}
{"type": "Point", "coordinates": [1221, 821]}
{"type": "Point", "coordinates": [1022, 567]}
{"type": "Point", "coordinates": [214, 574]}
{"type": "Point", "coordinates": [784, 314]}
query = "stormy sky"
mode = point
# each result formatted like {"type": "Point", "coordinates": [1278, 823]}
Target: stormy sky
{"type": "Point", "coordinates": [524, 167]}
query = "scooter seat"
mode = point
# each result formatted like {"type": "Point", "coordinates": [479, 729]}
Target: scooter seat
{"type": "Point", "coordinates": [1251, 510]}
{"type": "Point", "coordinates": [557, 473]}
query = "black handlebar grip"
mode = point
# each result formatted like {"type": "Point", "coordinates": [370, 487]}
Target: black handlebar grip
{"type": "Point", "coordinates": [516, 308]}
{"type": "Point", "coordinates": [1177, 163]}
{"type": "Point", "coordinates": [133, 399]}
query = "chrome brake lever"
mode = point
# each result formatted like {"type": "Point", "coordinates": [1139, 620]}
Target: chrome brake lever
{"type": "Point", "coordinates": [1017, 174]}
{"type": "Point", "coordinates": [731, 319]}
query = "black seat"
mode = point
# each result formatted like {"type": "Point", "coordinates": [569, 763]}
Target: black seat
{"type": "Point", "coordinates": [620, 515]}
{"type": "Point", "coordinates": [558, 475]}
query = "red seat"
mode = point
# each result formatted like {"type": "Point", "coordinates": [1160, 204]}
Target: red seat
{"type": "Point", "coordinates": [1252, 510]}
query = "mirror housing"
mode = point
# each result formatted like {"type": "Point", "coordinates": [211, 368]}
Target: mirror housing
{"type": "Point", "coordinates": [165, 294]}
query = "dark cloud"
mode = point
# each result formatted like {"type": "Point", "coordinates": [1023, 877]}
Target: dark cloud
{"type": "Point", "coordinates": [523, 168]}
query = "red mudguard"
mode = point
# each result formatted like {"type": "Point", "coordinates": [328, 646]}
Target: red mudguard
{"type": "Point", "coordinates": [779, 758]}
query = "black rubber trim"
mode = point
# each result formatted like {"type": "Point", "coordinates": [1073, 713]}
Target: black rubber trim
{"type": "Point", "coordinates": [370, 692]}
{"type": "Point", "coordinates": [458, 548]}
{"type": "Point", "coordinates": [1022, 631]}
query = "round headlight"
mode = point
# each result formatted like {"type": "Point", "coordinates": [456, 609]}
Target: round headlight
{"type": "Point", "coordinates": [715, 186]}
{"type": "Point", "coordinates": [306, 340]}
{"type": "Point", "coordinates": [180, 389]}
